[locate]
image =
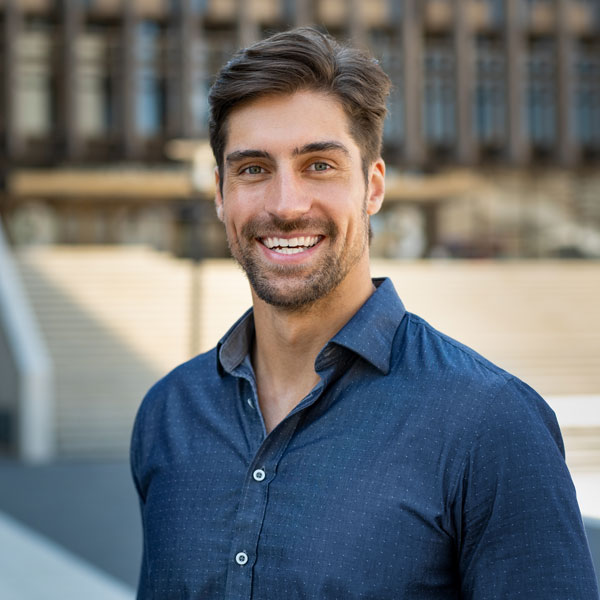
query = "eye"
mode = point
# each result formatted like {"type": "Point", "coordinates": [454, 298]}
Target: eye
{"type": "Point", "coordinates": [319, 166]}
{"type": "Point", "coordinates": [253, 170]}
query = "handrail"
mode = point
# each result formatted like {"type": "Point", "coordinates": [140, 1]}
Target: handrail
{"type": "Point", "coordinates": [34, 406]}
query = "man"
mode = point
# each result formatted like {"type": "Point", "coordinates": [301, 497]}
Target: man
{"type": "Point", "coordinates": [334, 446]}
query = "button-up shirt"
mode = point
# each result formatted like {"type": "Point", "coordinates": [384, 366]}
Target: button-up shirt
{"type": "Point", "coordinates": [414, 469]}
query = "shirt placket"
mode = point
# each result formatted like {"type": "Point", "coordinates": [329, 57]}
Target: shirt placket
{"type": "Point", "coordinates": [261, 472]}
{"type": "Point", "coordinates": [252, 506]}
{"type": "Point", "coordinates": [251, 510]}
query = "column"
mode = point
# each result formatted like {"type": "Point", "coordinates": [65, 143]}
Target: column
{"type": "Point", "coordinates": [356, 23]}
{"type": "Point", "coordinates": [248, 29]}
{"type": "Point", "coordinates": [412, 88]}
{"type": "Point", "coordinates": [127, 82]}
{"type": "Point", "coordinates": [13, 142]}
{"type": "Point", "coordinates": [180, 122]}
{"type": "Point", "coordinates": [517, 148]}
{"type": "Point", "coordinates": [464, 67]}
{"type": "Point", "coordinates": [565, 144]}
{"type": "Point", "coordinates": [67, 34]}
{"type": "Point", "coordinates": [303, 11]}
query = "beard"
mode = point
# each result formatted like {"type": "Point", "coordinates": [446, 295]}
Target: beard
{"type": "Point", "coordinates": [297, 287]}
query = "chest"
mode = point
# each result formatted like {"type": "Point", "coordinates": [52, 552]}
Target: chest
{"type": "Point", "coordinates": [328, 506]}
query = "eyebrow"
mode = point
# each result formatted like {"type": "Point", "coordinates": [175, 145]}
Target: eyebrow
{"type": "Point", "coordinates": [239, 155]}
{"type": "Point", "coordinates": [321, 147]}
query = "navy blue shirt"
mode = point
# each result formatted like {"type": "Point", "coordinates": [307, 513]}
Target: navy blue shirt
{"type": "Point", "coordinates": [415, 469]}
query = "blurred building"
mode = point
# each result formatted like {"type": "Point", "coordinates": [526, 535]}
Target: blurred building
{"type": "Point", "coordinates": [93, 91]}
{"type": "Point", "coordinates": [492, 146]}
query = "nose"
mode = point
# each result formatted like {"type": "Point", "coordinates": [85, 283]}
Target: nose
{"type": "Point", "coordinates": [288, 197]}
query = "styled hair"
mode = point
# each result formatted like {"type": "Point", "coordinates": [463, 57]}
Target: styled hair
{"type": "Point", "coordinates": [303, 59]}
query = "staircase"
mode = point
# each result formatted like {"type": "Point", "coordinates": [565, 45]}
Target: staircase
{"type": "Point", "coordinates": [114, 320]}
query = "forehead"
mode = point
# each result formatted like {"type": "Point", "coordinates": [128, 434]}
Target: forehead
{"type": "Point", "coordinates": [280, 122]}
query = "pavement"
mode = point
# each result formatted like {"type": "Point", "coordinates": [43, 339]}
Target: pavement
{"type": "Point", "coordinates": [59, 574]}
{"type": "Point", "coordinates": [89, 509]}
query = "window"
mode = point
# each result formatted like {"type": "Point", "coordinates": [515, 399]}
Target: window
{"type": "Point", "coordinates": [386, 47]}
{"type": "Point", "coordinates": [440, 96]}
{"type": "Point", "coordinates": [218, 48]}
{"type": "Point", "coordinates": [541, 95]}
{"type": "Point", "coordinates": [94, 115]}
{"type": "Point", "coordinates": [150, 97]}
{"type": "Point", "coordinates": [490, 91]}
{"type": "Point", "coordinates": [34, 85]}
{"type": "Point", "coordinates": [587, 95]}
{"type": "Point", "coordinates": [495, 10]}
{"type": "Point", "coordinates": [197, 7]}
{"type": "Point", "coordinates": [199, 92]}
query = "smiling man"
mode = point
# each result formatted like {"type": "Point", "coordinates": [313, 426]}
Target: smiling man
{"type": "Point", "coordinates": [333, 445]}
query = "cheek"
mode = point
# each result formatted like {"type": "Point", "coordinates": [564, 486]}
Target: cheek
{"type": "Point", "coordinates": [231, 229]}
{"type": "Point", "coordinates": [234, 218]}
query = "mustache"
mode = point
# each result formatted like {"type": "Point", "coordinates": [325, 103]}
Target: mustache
{"type": "Point", "coordinates": [271, 226]}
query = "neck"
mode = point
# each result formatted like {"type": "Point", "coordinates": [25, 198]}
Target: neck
{"type": "Point", "coordinates": [288, 342]}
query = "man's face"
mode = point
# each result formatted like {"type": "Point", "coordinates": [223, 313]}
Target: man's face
{"type": "Point", "coordinates": [295, 203]}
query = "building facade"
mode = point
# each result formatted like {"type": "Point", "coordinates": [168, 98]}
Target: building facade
{"type": "Point", "coordinates": [96, 90]}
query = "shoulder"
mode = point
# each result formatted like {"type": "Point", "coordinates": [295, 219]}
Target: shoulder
{"type": "Point", "coordinates": [186, 384]}
{"type": "Point", "coordinates": [171, 410]}
{"type": "Point", "coordinates": [444, 361]}
{"type": "Point", "coordinates": [194, 373]}
{"type": "Point", "coordinates": [478, 394]}
{"type": "Point", "coordinates": [442, 352]}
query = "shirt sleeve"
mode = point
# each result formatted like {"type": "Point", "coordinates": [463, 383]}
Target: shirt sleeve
{"type": "Point", "coordinates": [520, 532]}
{"type": "Point", "coordinates": [143, 590]}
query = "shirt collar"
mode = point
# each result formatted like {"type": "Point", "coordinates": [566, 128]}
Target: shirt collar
{"type": "Point", "coordinates": [369, 333]}
{"type": "Point", "coordinates": [235, 345]}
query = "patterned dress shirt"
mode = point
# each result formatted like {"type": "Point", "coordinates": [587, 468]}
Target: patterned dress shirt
{"type": "Point", "coordinates": [414, 470]}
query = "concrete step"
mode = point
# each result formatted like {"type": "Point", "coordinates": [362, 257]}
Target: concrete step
{"type": "Point", "coordinates": [117, 319]}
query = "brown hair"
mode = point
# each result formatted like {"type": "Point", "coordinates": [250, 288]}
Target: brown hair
{"type": "Point", "coordinates": [303, 59]}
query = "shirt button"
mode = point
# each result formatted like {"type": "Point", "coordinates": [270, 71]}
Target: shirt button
{"type": "Point", "coordinates": [241, 558]}
{"type": "Point", "coordinates": [250, 403]}
{"type": "Point", "coordinates": [259, 475]}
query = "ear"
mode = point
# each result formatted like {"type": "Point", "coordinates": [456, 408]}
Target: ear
{"type": "Point", "coordinates": [218, 195]}
{"type": "Point", "coordinates": [376, 186]}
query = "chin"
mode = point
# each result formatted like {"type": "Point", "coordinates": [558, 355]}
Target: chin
{"type": "Point", "coordinates": [299, 295]}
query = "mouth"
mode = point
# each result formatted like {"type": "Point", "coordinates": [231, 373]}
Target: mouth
{"type": "Point", "coordinates": [293, 245]}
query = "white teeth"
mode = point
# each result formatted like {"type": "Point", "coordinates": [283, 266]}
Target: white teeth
{"type": "Point", "coordinates": [289, 250]}
{"type": "Point", "coordinates": [299, 243]}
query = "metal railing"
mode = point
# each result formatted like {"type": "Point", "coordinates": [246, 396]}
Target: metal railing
{"type": "Point", "coordinates": [26, 384]}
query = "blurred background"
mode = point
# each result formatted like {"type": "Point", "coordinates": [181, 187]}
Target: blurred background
{"type": "Point", "coordinates": [114, 268]}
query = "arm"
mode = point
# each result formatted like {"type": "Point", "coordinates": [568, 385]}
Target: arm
{"type": "Point", "coordinates": [520, 529]}
{"type": "Point", "coordinates": [143, 592]}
